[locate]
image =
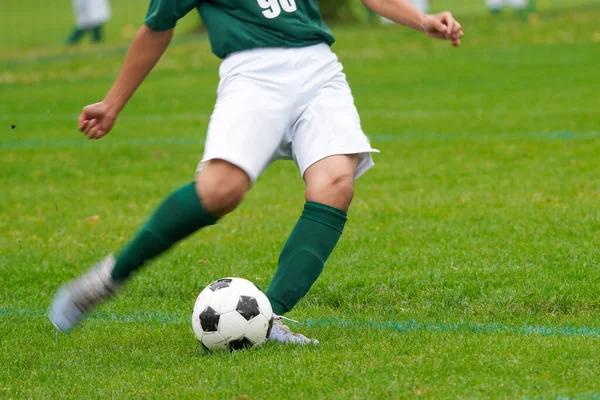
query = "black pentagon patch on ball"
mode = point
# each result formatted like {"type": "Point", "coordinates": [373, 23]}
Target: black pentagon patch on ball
{"type": "Point", "coordinates": [220, 284]}
{"type": "Point", "coordinates": [240, 344]}
{"type": "Point", "coordinates": [209, 319]}
{"type": "Point", "coordinates": [248, 307]}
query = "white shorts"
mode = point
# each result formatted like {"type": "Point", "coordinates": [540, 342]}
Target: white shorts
{"type": "Point", "coordinates": [518, 4]}
{"type": "Point", "coordinates": [284, 104]}
{"type": "Point", "coordinates": [91, 13]}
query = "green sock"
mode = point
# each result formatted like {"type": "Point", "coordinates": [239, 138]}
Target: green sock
{"type": "Point", "coordinates": [75, 35]}
{"type": "Point", "coordinates": [179, 215]}
{"type": "Point", "coordinates": [304, 254]}
{"type": "Point", "coordinates": [97, 34]}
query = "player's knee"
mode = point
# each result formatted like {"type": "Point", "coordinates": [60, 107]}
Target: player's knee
{"type": "Point", "coordinates": [221, 187]}
{"type": "Point", "coordinates": [344, 187]}
{"type": "Point", "coordinates": [336, 191]}
{"type": "Point", "coordinates": [219, 196]}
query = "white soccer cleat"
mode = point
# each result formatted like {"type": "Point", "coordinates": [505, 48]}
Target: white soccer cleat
{"type": "Point", "coordinates": [78, 297]}
{"type": "Point", "coordinates": [282, 333]}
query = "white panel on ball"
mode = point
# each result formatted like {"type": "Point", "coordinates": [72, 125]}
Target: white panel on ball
{"type": "Point", "coordinates": [214, 341]}
{"type": "Point", "coordinates": [196, 326]}
{"type": "Point", "coordinates": [265, 305]}
{"type": "Point", "coordinates": [244, 286]}
{"type": "Point", "coordinates": [224, 300]}
{"type": "Point", "coordinates": [257, 328]}
{"type": "Point", "coordinates": [232, 325]}
{"type": "Point", "coordinates": [204, 298]}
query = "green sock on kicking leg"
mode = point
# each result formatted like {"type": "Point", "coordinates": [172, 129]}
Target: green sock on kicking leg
{"type": "Point", "coordinates": [304, 254]}
{"type": "Point", "coordinates": [179, 215]}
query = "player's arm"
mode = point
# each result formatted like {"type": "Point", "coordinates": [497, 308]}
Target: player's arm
{"type": "Point", "coordinates": [440, 26]}
{"type": "Point", "coordinates": [148, 46]}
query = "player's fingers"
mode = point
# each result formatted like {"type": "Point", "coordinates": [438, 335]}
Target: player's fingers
{"type": "Point", "coordinates": [457, 35]}
{"type": "Point", "coordinates": [457, 27]}
{"type": "Point", "coordinates": [440, 27]}
{"type": "Point", "coordinates": [456, 42]}
{"type": "Point", "coordinates": [100, 131]}
{"type": "Point", "coordinates": [93, 132]}
{"type": "Point", "coordinates": [449, 21]}
{"type": "Point", "coordinates": [91, 124]}
{"type": "Point", "coordinates": [81, 119]}
{"type": "Point", "coordinates": [83, 125]}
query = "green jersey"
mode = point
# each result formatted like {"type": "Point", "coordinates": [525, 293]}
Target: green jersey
{"type": "Point", "coordinates": [235, 25]}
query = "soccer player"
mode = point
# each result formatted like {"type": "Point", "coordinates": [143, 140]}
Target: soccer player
{"type": "Point", "coordinates": [90, 15]}
{"type": "Point", "coordinates": [282, 94]}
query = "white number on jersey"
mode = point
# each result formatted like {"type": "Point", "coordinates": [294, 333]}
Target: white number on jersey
{"type": "Point", "coordinates": [272, 8]}
{"type": "Point", "coordinates": [288, 5]}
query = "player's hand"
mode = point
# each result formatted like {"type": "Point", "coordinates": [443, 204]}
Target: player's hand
{"type": "Point", "coordinates": [443, 26]}
{"type": "Point", "coordinates": [96, 120]}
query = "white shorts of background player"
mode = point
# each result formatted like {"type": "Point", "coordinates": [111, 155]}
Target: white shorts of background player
{"type": "Point", "coordinates": [91, 13]}
{"type": "Point", "coordinates": [498, 4]}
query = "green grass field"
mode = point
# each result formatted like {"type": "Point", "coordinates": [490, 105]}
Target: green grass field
{"type": "Point", "coordinates": [470, 266]}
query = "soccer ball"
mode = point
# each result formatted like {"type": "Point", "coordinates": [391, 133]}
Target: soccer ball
{"type": "Point", "coordinates": [232, 314]}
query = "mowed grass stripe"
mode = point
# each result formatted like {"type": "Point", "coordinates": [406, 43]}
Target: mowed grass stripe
{"type": "Point", "coordinates": [379, 112]}
{"type": "Point", "coordinates": [377, 137]}
{"type": "Point", "coordinates": [397, 326]}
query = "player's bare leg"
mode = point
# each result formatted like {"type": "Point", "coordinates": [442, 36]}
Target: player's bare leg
{"type": "Point", "coordinates": [220, 185]}
{"type": "Point", "coordinates": [329, 192]}
{"type": "Point", "coordinates": [331, 181]}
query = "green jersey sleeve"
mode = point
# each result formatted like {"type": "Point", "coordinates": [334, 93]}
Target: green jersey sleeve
{"type": "Point", "coordinates": [164, 14]}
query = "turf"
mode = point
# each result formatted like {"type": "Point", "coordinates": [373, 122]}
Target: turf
{"type": "Point", "coordinates": [469, 267]}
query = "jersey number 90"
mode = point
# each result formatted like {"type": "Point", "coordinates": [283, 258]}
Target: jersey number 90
{"type": "Point", "coordinates": [272, 8]}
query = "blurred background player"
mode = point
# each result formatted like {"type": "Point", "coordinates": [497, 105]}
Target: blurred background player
{"type": "Point", "coordinates": [90, 15]}
{"type": "Point", "coordinates": [496, 5]}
